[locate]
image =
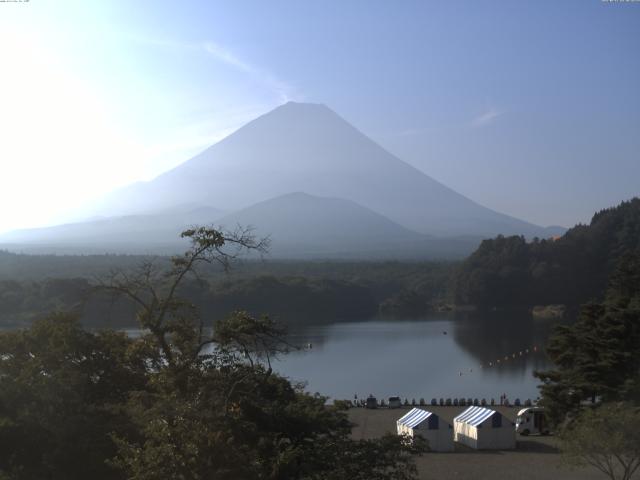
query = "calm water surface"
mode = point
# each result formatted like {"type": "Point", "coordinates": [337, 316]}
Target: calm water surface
{"type": "Point", "coordinates": [433, 357]}
{"type": "Point", "coordinates": [427, 358]}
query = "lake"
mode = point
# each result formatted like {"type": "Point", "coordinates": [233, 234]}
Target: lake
{"type": "Point", "coordinates": [441, 356]}
{"type": "Point", "coordinates": [429, 358]}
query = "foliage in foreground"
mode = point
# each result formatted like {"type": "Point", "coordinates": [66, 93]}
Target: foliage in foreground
{"type": "Point", "coordinates": [607, 438]}
{"type": "Point", "coordinates": [178, 402]}
{"type": "Point", "coordinates": [62, 390]}
{"type": "Point", "coordinates": [592, 394]}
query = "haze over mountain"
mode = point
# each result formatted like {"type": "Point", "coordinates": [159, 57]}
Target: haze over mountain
{"type": "Point", "coordinates": [152, 232]}
{"type": "Point", "coordinates": [306, 226]}
{"type": "Point", "coordinates": [354, 198]}
{"type": "Point", "coordinates": [302, 147]}
{"type": "Point", "coordinates": [300, 226]}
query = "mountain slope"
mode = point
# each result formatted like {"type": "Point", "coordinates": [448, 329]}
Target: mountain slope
{"type": "Point", "coordinates": [300, 226]}
{"type": "Point", "coordinates": [149, 233]}
{"type": "Point", "coordinates": [309, 148]}
{"type": "Point", "coordinates": [305, 226]}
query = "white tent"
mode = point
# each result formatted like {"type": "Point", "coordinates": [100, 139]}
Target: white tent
{"type": "Point", "coordinates": [484, 429]}
{"type": "Point", "coordinates": [428, 425]}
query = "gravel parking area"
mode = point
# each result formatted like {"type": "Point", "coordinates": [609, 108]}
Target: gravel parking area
{"type": "Point", "coordinates": [535, 457]}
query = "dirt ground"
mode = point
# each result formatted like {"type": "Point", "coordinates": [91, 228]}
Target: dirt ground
{"type": "Point", "coordinates": [535, 457]}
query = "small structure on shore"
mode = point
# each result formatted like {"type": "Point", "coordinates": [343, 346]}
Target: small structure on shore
{"type": "Point", "coordinates": [531, 420]}
{"type": "Point", "coordinates": [428, 425]}
{"type": "Point", "coordinates": [372, 402]}
{"type": "Point", "coordinates": [484, 429]}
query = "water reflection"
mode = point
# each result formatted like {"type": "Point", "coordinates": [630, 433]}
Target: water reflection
{"type": "Point", "coordinates": [490, 337]}
{"type": "Point", "coordinates": [427, 358]}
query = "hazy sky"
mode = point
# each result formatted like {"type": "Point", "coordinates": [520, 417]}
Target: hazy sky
{"type": "Point", "coordinates": [530, 108]}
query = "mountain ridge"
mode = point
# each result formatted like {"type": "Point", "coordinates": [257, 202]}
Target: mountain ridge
{"type": "Point", "coordinates": [300, 226]}
{"type": "Point", "coordinates": [334, 171]}
{"type": "Point", "coordinates": [310, 148]}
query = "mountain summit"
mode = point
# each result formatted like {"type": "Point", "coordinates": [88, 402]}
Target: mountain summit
{"type": "Point", "coordinates": [303, 147]}
{"type": "Point", "coordinates": [354, 199]}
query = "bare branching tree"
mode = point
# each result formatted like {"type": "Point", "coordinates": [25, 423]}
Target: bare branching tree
{"type": "Point", "coordinates": [173, 322]}
{"type": "Point", "coordinates": [255, 339]}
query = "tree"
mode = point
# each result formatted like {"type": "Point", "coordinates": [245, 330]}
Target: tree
{"type": "Point", "coordinates": [215, 408]}
{"type": "Point", "coordinates": [61, 389]}
{"type": "Point", "coordinates": [173, 323]}
{"type": "Point", "coordinates": [607, 438]}
{"type": "Point", "coordinates": [570, 270]}
{"type": "Point", "coordinates": [181, 401]}
{"type": "Point", "coordinates": [598, 357]}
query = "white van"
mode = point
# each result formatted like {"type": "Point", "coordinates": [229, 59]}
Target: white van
{"type": "Point", "coordinates": [531, 420]}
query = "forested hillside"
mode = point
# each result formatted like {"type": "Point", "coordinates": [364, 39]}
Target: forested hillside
{"type": "Point", "coordinates": [598, 356]}
{"type": "Point", "coordinates": [572, 269]}
{"type": "Point", "coordinates": [502, 272]}
{"type": "Point", "coordinates": [299, 292]}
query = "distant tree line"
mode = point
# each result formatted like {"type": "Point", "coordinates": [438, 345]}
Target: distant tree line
{"type": "Point", "coordinates": [502, 272]}
{"type": "Point", "coordinates": [293, 292]}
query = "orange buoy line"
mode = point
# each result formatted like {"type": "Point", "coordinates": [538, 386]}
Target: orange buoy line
{"type": "Point", "coordinates": [506, 358]}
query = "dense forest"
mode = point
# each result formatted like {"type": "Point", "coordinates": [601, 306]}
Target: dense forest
{"type": "Point", "coordinates": [571, 270]}
{"type": "Point", "coordinates": [597, 358]}
{"type": "Point", "coordinates": [32, 286]}
{"type": "Point", "coordinates": [505, 272]}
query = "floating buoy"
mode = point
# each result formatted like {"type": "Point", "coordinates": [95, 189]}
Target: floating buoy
{"type": "Point", "coordinates": [506, 358]}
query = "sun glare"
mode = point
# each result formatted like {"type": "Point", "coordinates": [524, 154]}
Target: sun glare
{"type": "Point", "coordinates": [58, 136]}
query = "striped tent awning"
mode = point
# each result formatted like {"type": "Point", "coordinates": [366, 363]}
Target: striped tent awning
{"type": "Point", "coordinates": [415, 417]}
{"type": "Point", "coordinates": [474, 416]}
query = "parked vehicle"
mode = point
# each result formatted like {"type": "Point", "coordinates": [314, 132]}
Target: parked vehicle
{"type": "Point", "coordinates": [395, 402]}
{"type": "Point", "coordinates": [372, 402]}
{"type": "Point", "coordinates": [531, 420]}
